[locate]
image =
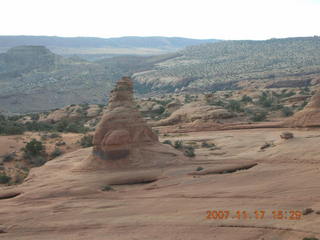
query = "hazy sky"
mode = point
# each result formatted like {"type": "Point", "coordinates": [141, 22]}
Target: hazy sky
{"type": "Point", "coordinates": [223, 19]}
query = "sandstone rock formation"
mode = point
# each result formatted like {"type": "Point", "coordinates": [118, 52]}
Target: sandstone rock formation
{"type": "Point", "coordinates": [196, 111]}
{"type": "Point", "coordinates": [123, 138]}
{"type": "Point", "coordinates": [309, 116]}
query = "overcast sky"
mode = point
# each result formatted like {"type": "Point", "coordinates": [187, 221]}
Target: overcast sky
{"type": "Point", "coordinates": [222, 19]}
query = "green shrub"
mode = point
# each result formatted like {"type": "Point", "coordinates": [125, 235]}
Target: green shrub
{"type": "Point", "coordinates": [199, 168]}
{"type": "Point", "coordinates": [39, 126]}
{"type": "Point", "coordinates": [258, 117]}
{"type": "Point", "coordinates": [54, 135]}
{"type": "Point", "coordinates": [286, 112]}
{"type": "Point", "coordinates": [37, 161]}
{"type": "Point", "coordinates": [8, 127]}
{"type": "Point", "coordinates": [66, 126]}
{"type": "Point", "coordinates": [34, 116]}
{"type": "Point", "coordinates": [310, 238]}
{"type": "Point", "coordinates": [167, 142]}
{"type": "Point", "coordinates": [303, 105]}
{"type": "Point", "coordinates": [189, 151]}
{"type": "Point", "coordinates": [9, 157]}
{"type": "Point", "coordinates": [107, 188]}
{"type": "Point", "coordinates": [34, 148]}
{"type": "Point", "coordinates": [60, 143]}
{"type": "Point", "coordinates": [265, 100]}
{"type": "Point", "coordinates": [215, 103]}
{"type": "Point", "coordinates": [178, 144]}
{"type": "Point", "coordinates": [234, 106]}
{"type": "Point", "coordinates": [246, 99]}
{"type": "Point", "coordinates": [86, 141]}
{"type": "Point", "coordinates": [4, 178]}
{"type": "Point", "coordinates": [56, 153]}
{"type": "Point", "coordinates": [205, 144]}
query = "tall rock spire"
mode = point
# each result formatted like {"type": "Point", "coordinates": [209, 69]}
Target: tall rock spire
{"type": "Point", "coordinates": [123, 139]}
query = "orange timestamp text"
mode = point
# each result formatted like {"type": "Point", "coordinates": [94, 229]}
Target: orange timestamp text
{"type": "Point", "coordinates": [257, 214]}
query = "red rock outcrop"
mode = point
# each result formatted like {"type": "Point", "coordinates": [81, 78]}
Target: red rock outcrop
{"type": "Point", "coordinates": [309, 116]}
{"type": "Point", "coordinates": [123, 139]}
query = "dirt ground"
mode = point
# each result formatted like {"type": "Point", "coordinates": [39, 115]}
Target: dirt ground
{"type": "Point", "coordinates": [58, 202]}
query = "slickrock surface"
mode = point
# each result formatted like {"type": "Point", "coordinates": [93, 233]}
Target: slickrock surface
{"type": "Point", "coordinates": [59, 203]}
{"type": "Point", "coordinates": [309, 116]}
{"type": "Point", "coordinates": [192, 112]}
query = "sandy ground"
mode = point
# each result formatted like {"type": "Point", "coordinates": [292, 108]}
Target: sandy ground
{"type": "Point", "coordinates": [58, 202]}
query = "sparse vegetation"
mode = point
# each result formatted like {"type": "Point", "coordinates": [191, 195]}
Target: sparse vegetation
{"type": "Point", "coordinates": [286, 112]}
{"type": "Point", "coordinates": [246, 99]}
{"type": "Point", "coordinates": [189, 151]}
{"type": "Point", "coordinates": [234, 106]}
{"type": "Point", "coordinates": [205, 144]}
{"type": "Point", "coordinates": [107, 188]}
{"type": "Point", "coordinates": [178, 144]}
{"type": "Point", "coordinates": [10, 127]}
{"type": "Point", "coordinates": [86, 141]}
{"type": "Point", "coordinates": [199, 168]}
{"type": "Point", "coordinates": [4, 179]}
{"type": "Point", "coordinates": [9, 157]}
{"type": "Point", "coordinates": [307, 211]}
{"type": "Point", "coordinates": [167, 142]}
{"type": "Point", "coordinates": [34, 152]}
{"type": "Point", "coordinates": [56, 153]}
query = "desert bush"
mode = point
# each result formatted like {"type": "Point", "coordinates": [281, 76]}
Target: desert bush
{"type": "Point", "coordinates": [54, 135]}
{"type": "Point", "coordinates": [9, 157]}
{"type": "Point", "coordinates": [34, 147]}
{"type": "Point", "coordinates": [67, 126]}
{"type": "Point", "coordinates": [56, 153]}
{"type": "Point", "coordinates": [265, 100]}
{"type": "Point", "coordinates": [307, 211]}
{"type": "Point", "coordinates": [246, 99]}
{"type": "Point", "coordinates": [167, 142]}
{"type": "Point", "coordinates": [310, 238]}
{"type": "Point", "coordinates": [303, 105]}
{"type": "Point", "coordinates": [205, 144]}
{"type": "Point", "coordinates": [216, 103]}
{"type": "Point", "coordinates": [178, 144]}
{"type": "Point", "coordinates": [199, 168]}
{"type": "Point", "coordinates": [286, 112]}
{"type": "Point", "coordinates": [258, 116]}
{"type": "Point", "coordinates": [37, 161]}
{"type": "Point", "coordinates": [34, 116]}
{"type": "Point", "coordinates": [189, 151]}
{"type": "Point", "coordinates": [4, 178]}
{"type": "Point", "coordinates": [8, 127]}
{"type": "Point", "coordinates": [107, 188]}
{"type": "Point", "coordinates": [60, 143]}
{"type": "Point", "coordinates": [39, 126]}
{"type": "Point", "coordinates": [234, 106]}
{"type": "Point", "coordinates": [86, 141]}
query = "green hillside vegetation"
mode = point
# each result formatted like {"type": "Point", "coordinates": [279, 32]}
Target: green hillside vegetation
{"type": "Point", "coordinates": [34, 79]}
{"type": "Point", "coordinates": [221, 64]}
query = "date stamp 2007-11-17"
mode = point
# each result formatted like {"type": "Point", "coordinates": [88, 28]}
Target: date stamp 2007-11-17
{"type": "Point", "coordinates": [257, 214]}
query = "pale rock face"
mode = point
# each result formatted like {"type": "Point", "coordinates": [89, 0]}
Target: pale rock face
{"type": "Point", "coordinates": [195, 111]}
